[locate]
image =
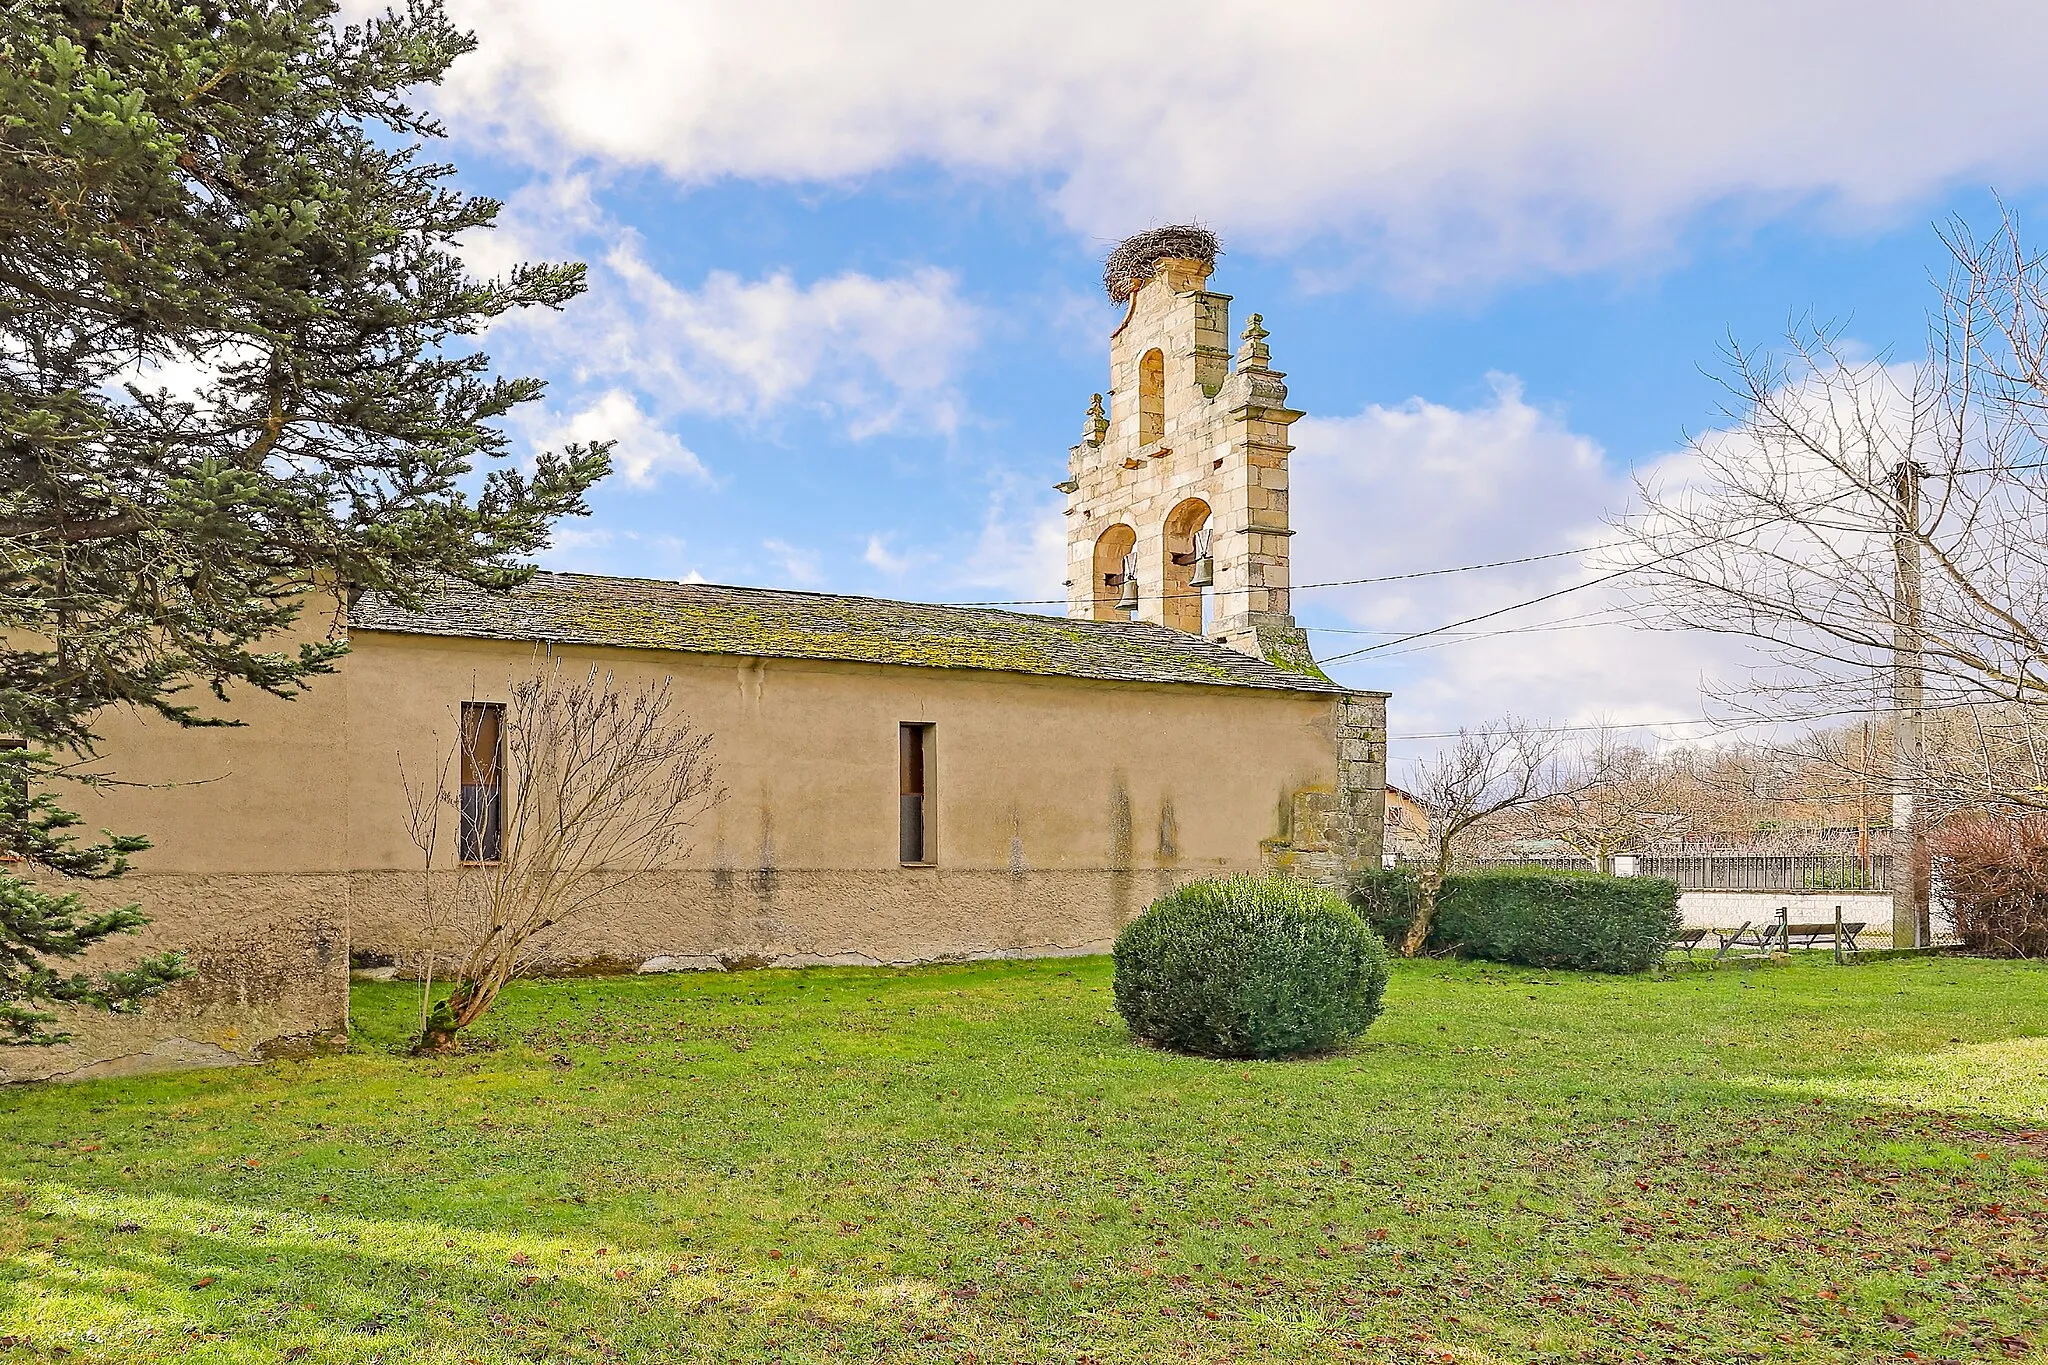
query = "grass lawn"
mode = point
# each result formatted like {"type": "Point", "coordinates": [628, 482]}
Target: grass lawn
{"type": "Point", "coordinates": [975, 1163]}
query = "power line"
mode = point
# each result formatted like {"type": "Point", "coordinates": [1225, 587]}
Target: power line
{"type": "Point", "coordinates": [1622, 572]}
{"type": "Point", "coordinates": [1725, 727]}
{"type": "Point", "coordinates": [1304, 587]}
{"type": "Point", "coordinates": [1465, 637]}
{"type": "Point", "coordinates": [1559, 623]}
{"type": "Point", "coordinates": [1491, 564]}
{"type": "Point", "coordinates": [1487, 615]}
{"type": "Point", "coordinates": [1595, 725]}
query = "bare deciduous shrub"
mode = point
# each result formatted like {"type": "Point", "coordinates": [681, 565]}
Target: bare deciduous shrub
{"type": "Point", "coordinates": [1500, 767]}
{"type": "Point", "coordinates": [1996, 872]}
{"type": "Point", "coordinates": [592, 785]}
{"type": "Point", "coordinates": [1875, 529]}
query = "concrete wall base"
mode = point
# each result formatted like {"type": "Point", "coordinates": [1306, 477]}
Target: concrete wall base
{"type": "Point", "coordinates": [682, 921]}
{"type": "Point", "coordinates": [271, 957]}
{"type": "Point", "coordinates": [1726, 909]}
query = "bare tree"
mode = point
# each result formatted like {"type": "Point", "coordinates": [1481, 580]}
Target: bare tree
{"type": "Point", "coordinates": [1502, 766]}
{"type": "Point", "coordinates": [1610, 798]}
{"type": "Point", "coordinates": [1991, 758]}
{"type": "Point", "coordinates": [580, 789]}
{"type": "Point", "coordinates": [424, 803]}
{"type": "Point", "coordinates": [1879, 526]}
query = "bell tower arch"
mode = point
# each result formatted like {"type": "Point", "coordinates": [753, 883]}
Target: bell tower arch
{"type": "Point", "coordinates": [1188, 446]}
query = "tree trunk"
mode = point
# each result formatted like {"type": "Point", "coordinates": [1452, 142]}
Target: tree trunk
{"type": "Point", "coordinates": [426, 987]}
{"type": "Point", "coordinates": [450, 1016]}
{"type": "Point", "coordinates": [1428, 883]}
{"type": "Point", "coordinates": [436, 1041]}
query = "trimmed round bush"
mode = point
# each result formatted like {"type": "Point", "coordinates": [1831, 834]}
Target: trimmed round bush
{"type": "Point", "coordinates": [1249, 967]}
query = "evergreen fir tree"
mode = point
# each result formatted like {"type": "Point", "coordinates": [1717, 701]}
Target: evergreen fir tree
{"type": "Point", "coordinates": [238, 381]}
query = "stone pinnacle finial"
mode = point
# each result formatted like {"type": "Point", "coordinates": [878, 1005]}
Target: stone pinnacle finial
{"type": "Point", "coordinates": [1254, 354]}
{"type": "Point", "coordinates": [1096, 425]}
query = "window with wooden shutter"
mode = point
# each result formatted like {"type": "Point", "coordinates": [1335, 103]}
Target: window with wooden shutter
{"type": "Point", "coordinates": [483, 782]}
{"type": "Point", "coordinates": [914, 764]}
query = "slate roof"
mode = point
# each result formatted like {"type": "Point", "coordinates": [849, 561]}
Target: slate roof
{"type": "Point", "coordinates": [707, 618]}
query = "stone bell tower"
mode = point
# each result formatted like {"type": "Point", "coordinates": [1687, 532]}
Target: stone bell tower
{"type": "Point", "coordinates": [1177, 493]}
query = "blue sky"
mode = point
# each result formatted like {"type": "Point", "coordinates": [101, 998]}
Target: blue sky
{"type": "Point", "coordinates": [846, 311]}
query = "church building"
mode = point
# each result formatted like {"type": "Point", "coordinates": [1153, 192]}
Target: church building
{"type": "Point", "coordinates": [900, 782]}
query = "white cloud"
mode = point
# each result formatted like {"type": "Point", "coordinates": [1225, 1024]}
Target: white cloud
{"type": "Point", "coordinates": [1020, 553]}
{"type": "Point", "coordinates": [880, 353]}
{"type": "Point", "coordinates": [1459, 137]}
{"type": "Point", "coordinates": [880, 557]}
{"type": "Point", "coordinates": [544, 220]}
{"type": "Point", "coordinates": [645, 450]}
{"type": "Point", "coordinates": [582, 548]}
{"type": "Point", "coordinates": [874, 353]}
{"type": "Point", "coordinates": [1422, 485]}
{"type": "Point", "coordinates": [797, 565]}
{"type": "Point", "coordinates": [570, 541]}
{"type": "Point", "coordinates": [1015, 557]}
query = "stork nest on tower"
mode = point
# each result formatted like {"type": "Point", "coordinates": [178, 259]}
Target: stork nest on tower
{"type": "Point", "coordinates": [1134, 260]}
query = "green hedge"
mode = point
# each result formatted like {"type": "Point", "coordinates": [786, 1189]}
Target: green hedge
{"type": "Point", "coordinates": [1249, 967]}
{"type": "Point", "coordinates": [1386, 899]}
{"type": "Point", "coordinates": [1534, 916]}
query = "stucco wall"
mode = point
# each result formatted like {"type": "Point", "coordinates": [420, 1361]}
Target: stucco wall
{"type": "Point", "coordinates": [270, 957]}
{"type": "Point", "coordinates": [247, 877]}
{"type": "Point", "coordinates": [1060, 806]}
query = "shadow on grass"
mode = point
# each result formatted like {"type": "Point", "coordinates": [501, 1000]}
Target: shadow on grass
{"type": "Point", "coordinates": [135, 1273]}
{"type": "Point", "coordinates": [1514, 1166]}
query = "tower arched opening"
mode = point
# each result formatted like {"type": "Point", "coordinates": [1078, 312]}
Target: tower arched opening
{"type": "Point", "coordinates": [1185, 537]}
{"type": "Point", "coordinates": [1112, 547]}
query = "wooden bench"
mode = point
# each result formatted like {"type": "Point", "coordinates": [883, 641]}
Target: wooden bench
{"type": "Point", "coordinates": [1822, 934]}
{"type": "Point", "coordinates": [1687, 940]}
{"type": "Point", "coordinates": [1779, 935]}
{"type": "Point", "coordinates": [1751, 935]}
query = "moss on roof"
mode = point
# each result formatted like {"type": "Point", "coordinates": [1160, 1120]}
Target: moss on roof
{"type": "Point", "coordinates": [707, 618]}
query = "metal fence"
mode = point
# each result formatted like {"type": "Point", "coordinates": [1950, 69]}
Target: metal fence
{"type": "Point", "coordinates": [1743, 871]}
{"type": "Point", "coordinates": [1768, 872]}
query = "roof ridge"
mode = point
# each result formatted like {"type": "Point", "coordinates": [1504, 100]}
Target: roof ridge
{"type": "Point", "coordinates": [870, 597]}
{"type": "Point", "coordinates": [797, 623]}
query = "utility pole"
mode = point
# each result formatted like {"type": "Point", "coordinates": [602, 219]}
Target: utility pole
{"type": "Point", "coordinates": [1911, 883]}
{"type": "Point", "coordinates": [1863, 863]}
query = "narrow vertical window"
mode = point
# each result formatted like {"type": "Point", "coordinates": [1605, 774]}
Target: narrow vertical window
{"type": "Point", "coordinates": [914, 805]}
{"type": "Point", "coordinates": [1151, 397]}
{"type": "Point", "coordinates": [483, 782]}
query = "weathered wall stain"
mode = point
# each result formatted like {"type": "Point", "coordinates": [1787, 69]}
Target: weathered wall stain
{"type": "Point", "coordinates": [276, 968]}
{"type": "Point", "coordinates": [1166, 857]}
{"type": "Point", "coordinates": [1120, 841]}
{"type": "Point", "coordinates": [671, 920]}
